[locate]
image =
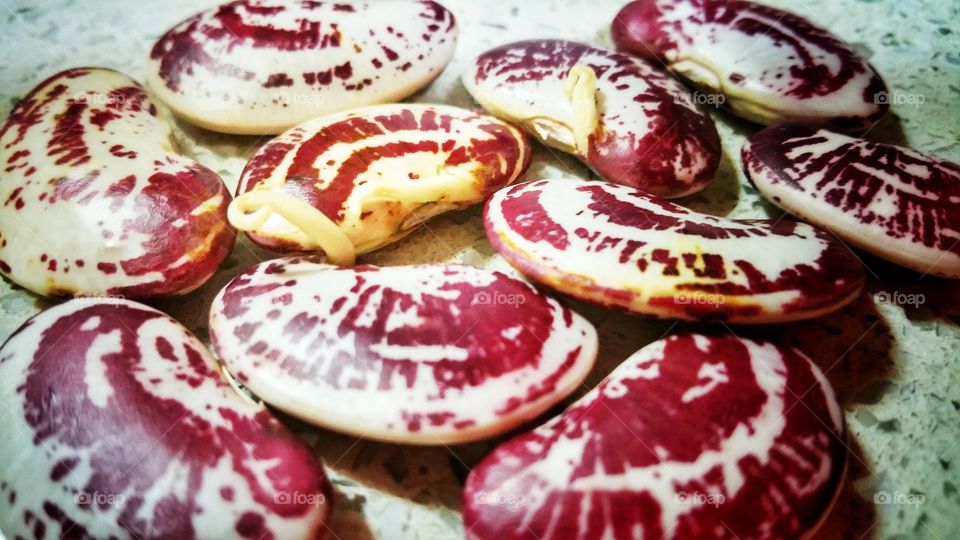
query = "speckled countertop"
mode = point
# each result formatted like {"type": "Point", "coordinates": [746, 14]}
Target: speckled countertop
{"type": "Point", "coordinates": [896, 367]}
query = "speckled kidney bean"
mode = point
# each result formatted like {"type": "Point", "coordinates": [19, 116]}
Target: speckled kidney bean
{"type": "Point", "coordinates": [94, 200]}
{"type": "Point", "coordinates": [427, 354]}
{"type": "Point", "coordinates": [118, 424]}
{"type": "Point", "coordinates": [349, 183]}
{"type": "Point", "coordinates": [621, 247]}
{"type": "Point", "coordinates": [630, 122]}
{"type": "Point", "coordinates": [766, 65]}
{"type": "Point", "coordinates": [894, 202]}
{"type": "Point", "coordinates": [694, 436]}
{"type": "Point", "coordinates": [264, 66]}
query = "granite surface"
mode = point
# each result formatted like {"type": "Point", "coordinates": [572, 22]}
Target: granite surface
{"type": "Point", "coordinates": [895, 364]}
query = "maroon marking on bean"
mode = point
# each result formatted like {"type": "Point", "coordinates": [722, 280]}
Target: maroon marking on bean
{"type": "Point", "coordinates": [118, 150]}
{"type": "Point", "coordinates": [178, 52]}
{"type": "Point", "coordinates": [391, 54]}
{"type": "Point", "coordinates": [251, 525]}
{"type": "Point", "coordinates": [103, 117]}
{"type": "Point", "coordinates": [29, 111]}
{"type": "Point", "coordinates": [18, 154]}
{"type": "Point", "coordinates": [277, 80]}
{"type": "Point", "coordinates": [532, 221]}
{"type": "Point", "coordinates": [66, 139]}
{"type": "Point", "coordinates": [14, 196]}
{"type": "Point", "coordinates": [343, 71]}
{"type": "Point", "coordinates": [63, 468]}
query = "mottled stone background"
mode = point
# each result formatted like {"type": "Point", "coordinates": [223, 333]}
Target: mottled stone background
{"type": "Point", "coordinates": [896, 368]}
